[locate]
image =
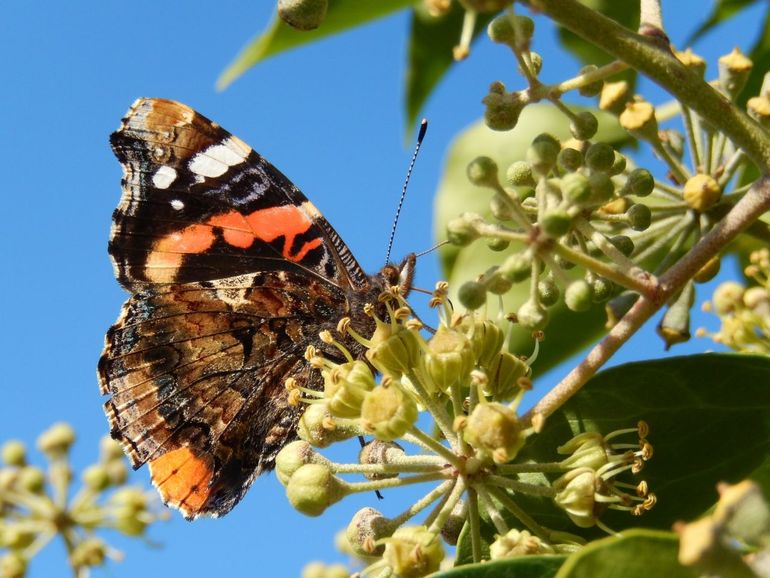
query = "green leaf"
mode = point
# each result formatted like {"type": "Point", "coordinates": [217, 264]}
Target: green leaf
{"type": "Point", "coordinates": [624, 12]}
{"type": "Point", "coordinates": [431, 40]}
{"type": "Point", "coordinates": [723, 11]}
{"type": "Point", "coordinates": [280, 37]}
{"type": "Point", "coordinates": [567, 332]}
{"type": "Point", "coordinates": [709, 418]}
{"type": "Point", "coordinates": [635, 554]}
{"type": "Point", "coordinates": [523, 567]}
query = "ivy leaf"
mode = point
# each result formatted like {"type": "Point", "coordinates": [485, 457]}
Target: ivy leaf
{"type": "Point", "coordinates": [723, 11]}
{"type": "Point", "coordinates": [431, 40]}
{"type": "Point", "coordinates": [280, 37]}
{"type": "Point", "coordinates": [709, 418]}
{"type": "Point", "coordinates": [635, 554]}
{"type": "Point", "coordinates": [567, 332]}
{"type": "Point", "coordinates": [522, 567]}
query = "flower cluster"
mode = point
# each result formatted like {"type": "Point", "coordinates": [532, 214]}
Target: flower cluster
{"type": "Point", "coordinates": [36, 505]}
{"type": "Point", "coordinates": [744, 312]}
{"type": "Point", "coordinates": [575, 219]}
{"type": "Point", "coordinates": [444, 413]}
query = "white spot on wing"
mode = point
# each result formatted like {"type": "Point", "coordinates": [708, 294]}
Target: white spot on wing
{"type": "Point", "coordinates": [163, 177]}
{"type": "Point", "coordinates": [215, 160]}
{"type": "Point", "coordinates": [177, 205]}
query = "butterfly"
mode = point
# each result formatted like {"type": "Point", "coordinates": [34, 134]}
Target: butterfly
{"type": "Point", "coordinates": [233, 273]}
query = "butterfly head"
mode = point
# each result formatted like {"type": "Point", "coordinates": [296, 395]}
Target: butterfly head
{"type": "Point", "coordinates": [400, 275]}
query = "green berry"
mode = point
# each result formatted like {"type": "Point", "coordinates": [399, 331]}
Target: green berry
{"type": "Point", "coordinates": [555, 222]}
{"type": "Point", "coordinates": [482, 172]}
{"type": "Point", "coordinates": [472, 294]}
{"type": "Point", "coordinates": [576, 188]}
{"type": "Point", "coordinates": [594, 88]}
{"type": "Point", "coordinates": [639, 183]}
{"type": "Point", "coordinates": [639, 217]}
{"type": "Point", "coordinates": [313, 488]}
{"type": "Point", "coordinates": [623, 244]}
{"type": "Point", "coordinates": [583, 126]}
{"type": "Point", "coordinates": [600, 157]}
{"type": "Point", "coordinates": [578, 296]}
{"type": "Point", "coordinates": [569, 160]}
{"type": "Point", "coordinates": [519, 174]}
{"type": "Point", "coordinates": [532, 315]}
{"type": "Point", "coordinates": [601, 187]}
{"type": "Point", "coordinates": [548, 292]}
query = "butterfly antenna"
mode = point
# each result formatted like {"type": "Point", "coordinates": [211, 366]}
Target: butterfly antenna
{"type": "Point", "coordinates": [420, 137]}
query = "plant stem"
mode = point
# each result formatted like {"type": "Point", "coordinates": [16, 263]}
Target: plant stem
{"type": "Point", "coordinates": [473, 520]}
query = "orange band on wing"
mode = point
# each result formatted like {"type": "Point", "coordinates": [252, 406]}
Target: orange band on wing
{"type": "Point", "coordinates": [183, 479]}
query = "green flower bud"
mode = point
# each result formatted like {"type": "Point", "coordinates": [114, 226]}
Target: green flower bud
{"type": "Point", "coordinates": [728, 297]}
{"type": "Point", "coordinates": [90, 552]}
{"type": "Point", "coordinates": [519, 174]}
{"type": "Point", "coordinates": [618, 165]}
{"type": "Point", "coordinates": [395, 352]}
{"type": "Point", "coordinates": [413, 552]}
{"type": "Point", "coordinates": [485, 337]}
{"type": "Point", "coordinates": [15, 536]}
{"type": "Point", "coordinates": [313, 488]}
{"type": "Point", "coordinates": [380, 452]}
{"type": "Point", "coordinates": [600, 157]}
{"type": "Point", "coordinates": [472, 294]}
{"type": "Point", "coordinates": [639, 217]}
{"type": "Point", "coordinates": [702, 192]}
{"type": "Point", "coordinates": [449, 358]}
{"type": "Point", "coordinates": [496, 283]}
{"type": "Point", "coordinates": [518, 543]}
{"type": "Point", "coordinates": [536, 62]}
{"type": "Point", "coordinates": [575, 187]}
{"type": "Point", "coordinates": [503, 374]}
{"type": "Point", "coordinates": [318, 428]}
{"type": "Point", "coordinates": [501, 208]}
{"type": "Point", "coordinates": [14, 453]}
{"type": "Point", "coordinates": [541, 155]}
{"type": "Point", "coordinates": [601, 289]}
{"type": "Point", "coordinates": [56, 441]}
{"type": "Point", "coordinates": [13, 565]}
{"type": "Point", "coordinates": [110, 449]}
{"type": "Point", "coordinates": [708, 271]}
{"type": "Point", "coordinates": [734, 70]}
{"type": "Point", "coordinates": [303, 14]}
{"type": "Point", "coordinates": [548, 292]}
{"type": "Point", "coordinates": [291, 458]}
{"type": "Point", "coordinates": [614, 96]}
{"type": "Point", "coordinates": [367, 527]}
{"type": "Point", "coordinates": [578, 296]}
{"type": "Point", "coordinates": [532, 315]}
{"type": "Point", "coordinates": [461, 230]}
{"type": "Point", "coordinates": [585, 450]}
{"type": "Point", "coordinates": [345, 387]}
{"type": "Point", "coordinates": [497, 245]}
{"type": "Point", "coordinates": [502, 108]}
{"type": "Point", "coordinates": [117, 472]}
{"type": "Point", "coordinates": [639, 119]}
{"type": "Point", "coordinates": [131, 498]}
{"type": "Point", "coordinates": [601, 187]}
{"type": "Point", "coordinates": [388, 412]}
{"type": "Point", "coordinates": [583, 126]}
{"type": "Point", "coordinates": [594, 88]}
{"type": "Point", "coordinates": [130, 522]}
{"type": "Point", "coordinates": [493, 430]}
{"type": "Point", "coordinates": [31, 479]}
{"type": "Point", "coordinates": [575, 492]}
{"type": "Point", "coordinates": [619, 306]}
{"type": "Point", "coordinates": [555, 222]}
{"type": "Point", "coordinates": [482, 172]}
{"type": "Point", "coordinates": [95, 478]}
{"type": "Point", "coordinates": [569, 160]}
{"type": "Point", "coordinates": [640, 183]}
{"type": "Point", "coordinates": [515, 31]}
{"type": "Point", "coordinates": [517, 267]}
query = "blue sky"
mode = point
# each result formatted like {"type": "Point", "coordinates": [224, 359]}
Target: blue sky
{"type": "Point", "coordinates": [329, 116]}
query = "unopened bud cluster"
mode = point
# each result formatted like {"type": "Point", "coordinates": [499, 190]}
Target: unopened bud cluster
{"type": "Point", "coordinates": [38, 505]}
{"type": "Point", "coordinates": [467, 386]}
{"type": "Point", "coordinates": [575, 220]}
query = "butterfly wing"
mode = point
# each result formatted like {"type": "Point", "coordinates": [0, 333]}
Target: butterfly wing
{"type": "Point", "coordinates": [233, 273]}
{"type": "Point", "coordinates": [199, 204]}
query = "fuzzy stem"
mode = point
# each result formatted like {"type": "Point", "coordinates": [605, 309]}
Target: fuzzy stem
{"type": "Point", "coordinates": [502, 496]}
{"type": "Point", "coordinates": [473, 520]}
{"type": "Point", "coordinates": [373, 485]}
{"type": "Point", "coordinates": [422, 503]}
{"type": "Point", "coordinates": [447, 507]}
{"type": "Point", "coordinates": [416, 435]}
{"type": "Point", "coordinates": [493, 511]}
{"type": "Point", "coordinates": [521, 487]}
